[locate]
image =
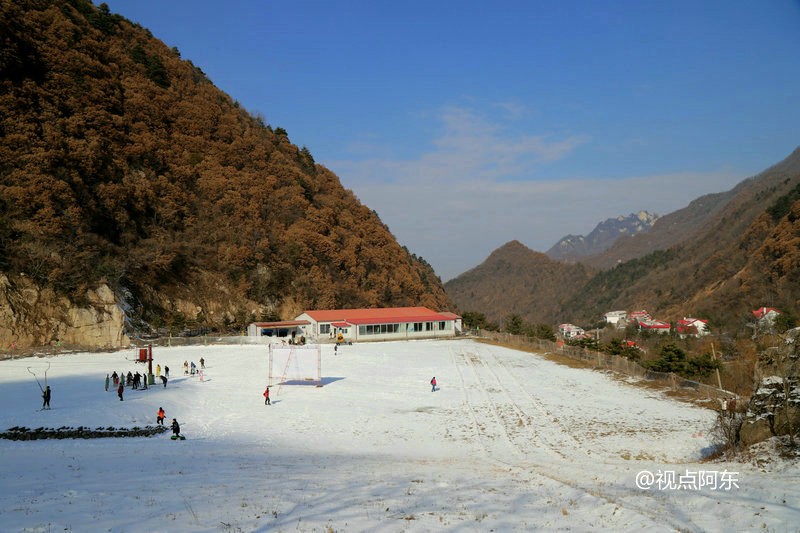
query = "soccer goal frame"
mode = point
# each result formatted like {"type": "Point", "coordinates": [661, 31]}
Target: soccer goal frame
{"type": "Point", "coordinates": [295, 363]}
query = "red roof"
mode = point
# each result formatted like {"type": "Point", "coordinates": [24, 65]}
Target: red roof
{"type": "Point", "coordinates": [378, 316]}
{"type": "Point", "coordinates": [764, 311]}
{"type": "Point", "coordinates": [341, 324]}
{"type": "Point", "coordinates": [655, 324]}
{"type": "Point", "coordinates": [691, 321]}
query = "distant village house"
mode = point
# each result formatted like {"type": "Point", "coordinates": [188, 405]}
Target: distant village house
{"type": "Point", "coordinates": [570, 331]}
{"type": "Point", "coordinates": [616, 318]}
{"type": "Point", "coordinates": [766, 315]}
{"type": "Point", "coordinates": [692, 327]}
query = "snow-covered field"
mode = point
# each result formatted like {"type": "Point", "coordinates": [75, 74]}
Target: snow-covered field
{"type": "Point", "coordinates": [510, 442]}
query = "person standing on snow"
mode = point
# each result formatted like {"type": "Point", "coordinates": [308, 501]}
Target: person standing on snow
{"type": "Point", "coordinates": [119, 390]}
{"type": "Point", "coordinates": [164, 381]}
{"type": "Point", "coordinates": [46, 397]}
{"type": "Point", "coordinates": [166, 370]}
{"type": "Point", "coordinates": [202, 363]}
{"type": "Point", "coordinates": [160, 416]}
{"type": "Point", "coordinates": [107, 380]}
{"type": "Point", "coordinates": [266, 397]}
{"type": "Point", "coordinates": [158, 370]}
{"type": "Point", "coordinates": [433, 384]}
{"type": "Point", "coordinates": [176, 428]}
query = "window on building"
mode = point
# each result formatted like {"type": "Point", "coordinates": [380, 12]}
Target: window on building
{"type": "Point", "coordinates": [324, 328]}
{"type": "Point", "coordinates": [441, 326]}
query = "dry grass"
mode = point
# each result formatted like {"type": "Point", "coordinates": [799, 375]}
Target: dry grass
{"type": "Point", "coordinates": [567, 361]}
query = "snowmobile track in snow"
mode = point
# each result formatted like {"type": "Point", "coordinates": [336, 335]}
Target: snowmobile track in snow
{"type": "Point", "coordinates": [519, 432]}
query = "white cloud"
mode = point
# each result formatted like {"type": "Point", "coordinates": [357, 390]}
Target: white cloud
{"type": "Point", "coordinates": [470, 147]}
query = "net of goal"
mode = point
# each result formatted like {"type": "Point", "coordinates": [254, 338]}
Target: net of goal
{"type": "Point", "coordinates": [295, 363]}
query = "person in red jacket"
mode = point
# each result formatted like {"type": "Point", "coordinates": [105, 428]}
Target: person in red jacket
{"type": "Point", "coordinates": [120, 389]}
{"type": "Point", "coordinates": [161, 416]}
{"type": "Point", "coordinates": [266, 397]}
{"type": "Point", "coordinates": [433, 384]}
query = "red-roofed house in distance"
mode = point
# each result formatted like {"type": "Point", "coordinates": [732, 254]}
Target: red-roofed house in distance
{"type": "Point", "coordinates": [570, 331]}
{"type": "Point", "coordinates": [695, 327]}
{"type": "Point", "coordinates": [654, 326]}
{"type": "Point", "coordinates": [766, 315]}
{"type": "Point", "coordinates": [392, 323]}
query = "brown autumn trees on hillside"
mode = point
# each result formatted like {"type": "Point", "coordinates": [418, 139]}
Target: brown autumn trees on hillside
{"type": "Point", "coordinates": [122, 163]}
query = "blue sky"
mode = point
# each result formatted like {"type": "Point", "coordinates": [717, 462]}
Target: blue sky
{"type": "Point", "coordinates": [467, 124]}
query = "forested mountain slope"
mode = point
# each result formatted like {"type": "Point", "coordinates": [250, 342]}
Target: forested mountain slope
{"type": "Point", "coordinates": [517, 280]}
{"type": "Point", "coordinates": [743, 256]}
{"type": "Point", "coordinates": [121, 164]}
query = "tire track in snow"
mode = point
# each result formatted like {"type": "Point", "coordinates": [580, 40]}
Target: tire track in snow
{"type": "Point", "coordinates": [559, 438]}
{"type": "Point", "coordinates": [573, 474]}
{"type": "Point", "coordinates": [491, 388]}
{"type": "Point", "coordinates": [488, 423]}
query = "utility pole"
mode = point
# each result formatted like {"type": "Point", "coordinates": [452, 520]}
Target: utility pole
{"type": "Point", "coordinates": [714, 355]}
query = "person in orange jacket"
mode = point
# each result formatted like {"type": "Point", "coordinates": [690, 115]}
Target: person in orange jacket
{"type": "Point", "coordinates": [161, 416]}
{"type": "Point", "coordinates": [266, 397]}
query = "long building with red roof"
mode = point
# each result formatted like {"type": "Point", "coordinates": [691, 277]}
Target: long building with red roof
{"type": "Point", "coordinates": [391, 323]}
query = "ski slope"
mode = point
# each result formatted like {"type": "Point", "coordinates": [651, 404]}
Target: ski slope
{"type": "Point", "coordinates": [509, 442]}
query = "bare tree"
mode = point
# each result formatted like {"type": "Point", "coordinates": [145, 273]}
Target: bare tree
{"type": "Point", "coordinates": [781, 358]}
{"type": "Point", "coordinates": [727, 426]}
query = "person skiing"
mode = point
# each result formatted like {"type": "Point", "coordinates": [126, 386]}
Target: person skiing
{"type": "Point", "coordinates": [119, 390]}
{"type": "Point", "coordinates": [202, 363]}
{"type": "Point", "coordinates": [266, 397]}
{"type": "Point", "coordinates": [115, 377]}
{"type": "Point", "coordinates": [176, 428]}
{"type": "Point", "coordinates": [194, 368]}
{"type": "Point", "coordinates": [46, 397]}
{"type": "Point", "coordinates": [160, 416]}
{"type": "Point", "coordinates": [433, 384]}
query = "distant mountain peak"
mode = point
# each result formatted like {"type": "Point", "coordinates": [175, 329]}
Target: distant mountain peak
{"type": "Point", "coordinates": [604, 235]}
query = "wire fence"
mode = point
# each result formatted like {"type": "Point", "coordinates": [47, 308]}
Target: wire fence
{"type": "Point", "coordinates": [201, 340]}
{"type": "Point", "coordinates": [598, 360]}
{"type": "Point", "coordinates": [603, 361]}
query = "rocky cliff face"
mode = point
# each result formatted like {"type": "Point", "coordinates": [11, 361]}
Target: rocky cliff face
{"type": "Point", "coordinates": [604, 235]}
{"type": "Point", "coordinates": [32, 316]}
